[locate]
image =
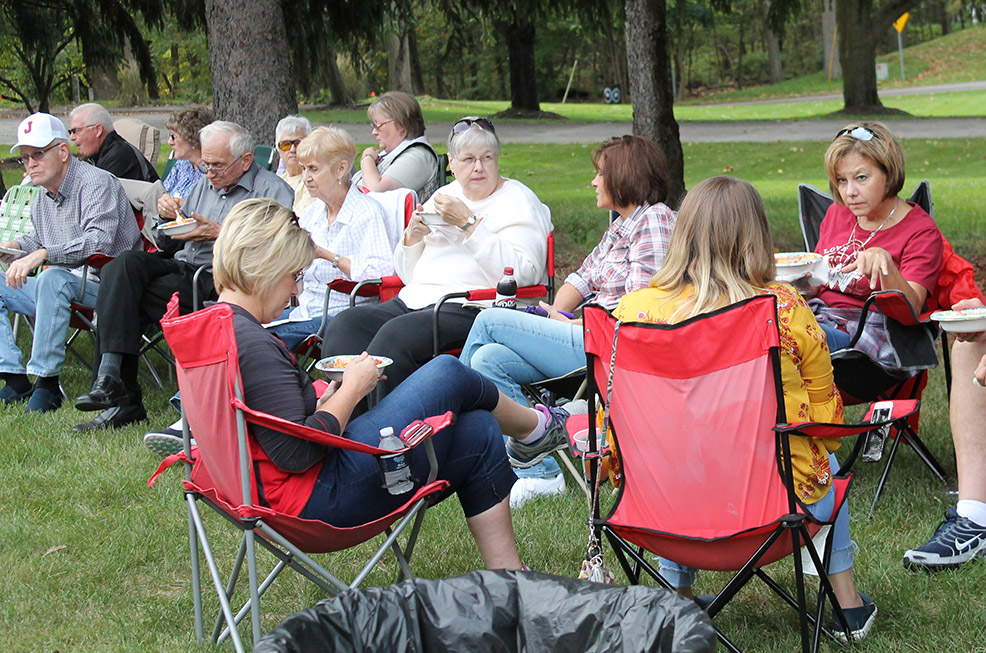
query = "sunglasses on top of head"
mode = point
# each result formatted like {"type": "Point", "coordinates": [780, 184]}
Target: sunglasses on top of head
{"type": "Point", "coordinates": [859, 133]}
{"type": "Point", "coordinates": [465, 123]}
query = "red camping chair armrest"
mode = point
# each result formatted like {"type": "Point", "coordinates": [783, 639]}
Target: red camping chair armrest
{"type": "Point", "coordinates": [894, 304]}
{"type": "Point", "coordinates": [527, 292]}
{"type": "Point", "coordinates": [437, 422]}
{"type": "Point", "coordinates": [385, 288]}
{"type": "Point", "coordinates": [98, 260]}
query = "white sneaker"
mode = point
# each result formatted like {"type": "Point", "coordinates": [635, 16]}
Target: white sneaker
{"type": "Point", "coordinates": [526, 489]}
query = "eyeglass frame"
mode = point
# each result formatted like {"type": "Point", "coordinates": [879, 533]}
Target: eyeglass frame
{"type": "Point", "coordinates": [37, 157]}
{"type": "Point", "coordinates": [289, 142]}
{"type": "Point", "coordinates": [220, 171]}
{"type": "Point", "coordinates": [379, 125]}
{"type": "Point", "coordinates": [483, 123]}
{"type": "Point", "coordinates": [75, 130]}
{"type": "Point", "coordinates": [299, 276]}
{"type": "Point", "coordinates": [864, 134]}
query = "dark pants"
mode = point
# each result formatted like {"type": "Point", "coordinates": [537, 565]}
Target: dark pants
{"type": "Point", "coordinates": [134, 290]}
{"type": "Point", "coordinates": [393, 330]}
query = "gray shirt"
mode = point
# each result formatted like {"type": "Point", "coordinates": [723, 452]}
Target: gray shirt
{"type": "Point", "coordinates": [90, 213]}
{"type": "Point", "coordinates": [215, 204]}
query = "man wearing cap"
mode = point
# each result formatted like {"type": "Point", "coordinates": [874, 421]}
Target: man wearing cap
{"type": "Point", "coordinates": [136, 287]}
{"type": "Point", "coordinates": [80, 210]}
{"type": "Point", "coordinates": [93, 133]}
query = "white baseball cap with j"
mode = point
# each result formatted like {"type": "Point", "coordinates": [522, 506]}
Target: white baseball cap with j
{"type": "Point", "coordinates": [39, 130]}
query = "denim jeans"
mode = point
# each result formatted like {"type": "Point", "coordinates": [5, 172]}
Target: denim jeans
{"type": "Point", "coordinates": [513, 347]}
{"type": "Point", "coordinates": [46, 297]}
{"type": "Point", "coordinates": [837, 338]}
{"type": "Point", "coordinates": [293, 333]}
{"type": "Point", "coordinates": [842, 546]}
{"type": "Point", "coordinates": [470, 455]}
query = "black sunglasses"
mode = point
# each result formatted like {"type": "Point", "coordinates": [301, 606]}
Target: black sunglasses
{"type": "Point", "coordinates": [465, 123]}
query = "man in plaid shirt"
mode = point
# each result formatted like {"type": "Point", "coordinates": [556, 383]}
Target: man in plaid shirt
{"type": "Point", "coordinates": [80, 210]}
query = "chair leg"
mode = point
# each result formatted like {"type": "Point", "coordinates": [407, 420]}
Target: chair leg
{"type": "Point", "coordinates": [570, 466]}
{"type": "Point", "coordinates": [214, 572]}
{"type": "Point", "coordinates": [254, 593]}
{"type": "Point", "coordinates": [907, 434]}
{"type": "Point", "coordinates": [196, 579]}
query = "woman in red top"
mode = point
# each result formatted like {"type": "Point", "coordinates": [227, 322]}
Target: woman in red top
{"type": "Point", "coordinates": [874, 240]}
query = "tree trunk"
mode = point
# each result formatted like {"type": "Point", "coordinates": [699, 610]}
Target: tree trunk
{"type": "Point", "coordinates": [832, 66]}
{"type": "Point", "coordinates": [176, 70]}
{"type": "Point", "coordinates": [860, 25]}
{"type": "Point", "coordinates": [774, 63]}
{"type": "Point", "coordinates": [332, 77]}
{"type": "Point", "coordinates": [398, 70]}
{"type": "Point", "coordinates": [414, 63]}
{"type": "Point", "coordinates": [251, 70]}
{"type": "Point", "coordinates": [519, 36]}
{"type": "Point", "coordinates": [943, 18]}
{"type": "Point", "coordinates": [649, 68]}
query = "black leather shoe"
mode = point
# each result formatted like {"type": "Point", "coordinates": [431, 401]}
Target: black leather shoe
{"type": "Point", "coordinates": [106, 392]}
{"type": "Point", "coordinates": [114, 418]}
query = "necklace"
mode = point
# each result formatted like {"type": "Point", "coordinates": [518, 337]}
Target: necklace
{"type": "Point", "coordinates": [852, 235]}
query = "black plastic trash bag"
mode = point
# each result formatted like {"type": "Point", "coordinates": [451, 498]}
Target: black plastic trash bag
{"type": "Point", "coordinates": [497, 611]}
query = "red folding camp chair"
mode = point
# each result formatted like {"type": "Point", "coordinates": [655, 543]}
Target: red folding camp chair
{"type": "Point", "coordinates": [699, 424]}
{"type": "Point", "coordinates": [862, 380]}
{"type": "Point", "coordinates": [220, 473]}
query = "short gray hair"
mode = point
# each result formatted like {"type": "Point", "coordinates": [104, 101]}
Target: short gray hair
{"type": "Point", "coordinates": [292, 125]}
{"type": "Point", "coordinates": [240, 140]}
{"type": "Point", "coordinates": [95, 114]}
{"type": "Point", "coordinates": [475, 135]}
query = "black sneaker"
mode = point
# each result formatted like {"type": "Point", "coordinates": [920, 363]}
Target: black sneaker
{"type": "Point", "coordinates": [860, 620]}
{"type": "Point", "coordinates": [956, 540]}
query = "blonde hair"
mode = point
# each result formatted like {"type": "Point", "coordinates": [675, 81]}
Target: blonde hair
{"type": "Point", "coordinates": [328, 146]}
{"type": "Point", "coordinates": [720, 251]}
{"type": "Point", "coordinates": [883, 149]}
{"type": "Point", "coordinates": [260, 242]}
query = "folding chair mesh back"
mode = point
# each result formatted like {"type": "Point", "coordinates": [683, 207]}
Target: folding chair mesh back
{"type": "Point", "coordinates": [711, 433]}
{"type": "Point", "coordinates": [15, 212]}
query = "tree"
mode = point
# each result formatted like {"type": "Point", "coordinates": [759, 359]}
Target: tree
{"type": "Point", "coordinates": [249, 57]}
{"type": "Point", "coordinates": [861, 23]}
{"type": "Point", "coordinates": [39, 33]}
{"type": "Point", "coordinates": [649, 65]}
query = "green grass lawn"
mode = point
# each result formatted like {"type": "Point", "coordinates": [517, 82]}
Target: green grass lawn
{"type": "Point", "coordinates": [95, 560]}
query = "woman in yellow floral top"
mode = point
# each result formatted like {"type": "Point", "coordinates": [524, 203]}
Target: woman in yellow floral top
{"type": "Point", "coordinates": [720, 253]}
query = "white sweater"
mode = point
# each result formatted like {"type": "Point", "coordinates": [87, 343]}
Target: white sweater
{"type": "Point", "coordinates": [513, 232]}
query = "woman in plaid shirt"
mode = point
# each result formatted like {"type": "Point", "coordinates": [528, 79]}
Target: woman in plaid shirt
{"type": "Point", "coordinates": [514, 348]}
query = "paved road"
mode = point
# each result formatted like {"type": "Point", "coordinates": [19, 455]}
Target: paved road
{"type": "Point", "coordinates": [691, 132]}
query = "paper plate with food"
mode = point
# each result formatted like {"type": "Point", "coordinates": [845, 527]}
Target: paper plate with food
{"type": "Point", "coordinates": [966, 320]}
{"type": "Point", "coordinates": [178, 226]}
{"type": "Point", "coordinates": [334, 366]}
{"type": "Point", "coordinates": [794, 265]}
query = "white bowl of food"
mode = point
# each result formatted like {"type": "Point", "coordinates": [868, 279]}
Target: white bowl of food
{"type": "Point", "coordinates": [794, 265]}
{"type": "Point", "coordinates": [179, 226]}
{"type": "Point", "coordinates": [966, 320]}
{"type": "Point", "coordinates": [432, 219]}
{"type": "Point", "coordinates": [333, 366]}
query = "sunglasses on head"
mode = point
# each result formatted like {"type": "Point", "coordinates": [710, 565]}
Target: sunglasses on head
{"type": "Point", "coordinates": [465, 123]}
{"type": "Point", "coordinates": [285, 145]}
{"type": "Point", "coordinates": [859, 133]}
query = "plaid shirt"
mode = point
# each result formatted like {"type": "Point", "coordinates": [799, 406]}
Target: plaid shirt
{"type": "Point", "coordinates": [626, 258]}
{"type": "Point", "coordinates": [90, 213]}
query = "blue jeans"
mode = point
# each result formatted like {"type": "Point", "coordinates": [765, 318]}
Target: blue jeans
{"type": "Point", "coordinates": [837, 338]}
{"type": "Point", "coordinates": [470, 452]}
{"type": "Point", "coordinates": [513, 347]}
{"type": "Point", "coordinates": [46, 297]}
{"type": "Point", "coordinates": [293, 333]}
{"type": "Point", "coordinates": [842, 546]}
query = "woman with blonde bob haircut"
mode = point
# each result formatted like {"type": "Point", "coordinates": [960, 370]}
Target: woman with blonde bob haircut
{"type": "Point", "coordinates": [872, 239]}
{"type": "Point", "coordinates": [258, 259]}
{"type": "Point", "coordinates": [720, 253]}
{"type": "Point", "coordinates": [351, 232]}
{"type": "Point", "coordinates": [404, 158]}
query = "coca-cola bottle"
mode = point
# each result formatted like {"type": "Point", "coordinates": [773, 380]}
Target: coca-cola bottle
{"type": "Point", "coordinates": [506, 290]}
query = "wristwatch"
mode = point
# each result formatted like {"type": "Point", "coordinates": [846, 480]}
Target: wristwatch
{"type": "Point", "coordinates": [470, 221]}
{"type": "Point", "coordinates": [335, 261]}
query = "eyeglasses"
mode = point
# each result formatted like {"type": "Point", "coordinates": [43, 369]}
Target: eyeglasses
{"type": "Point", "coordinates": [286, 145]}
{"type": "Point", "coordinates": [299, 275]}
{"type": "Point", "coordinates": [465, 123]}
{"type": "Point", "coordinates": [859, 133]}
{"type": "Point", "coordinates": [379, 125]}
{"type": "Point", "coordinates": [172, 136]}
{"type": "Point", "coordinates": [37, 157]}
{"type": "Point", "coordinates": [207, 169]}
{"type": "Point", "coordinates": [76, 130]}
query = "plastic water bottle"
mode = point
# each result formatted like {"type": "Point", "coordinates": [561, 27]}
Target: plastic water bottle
{"type": "Point", "coordinates": [506, 290]}
{"type": "Point", "coordinates": [396, 473]}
